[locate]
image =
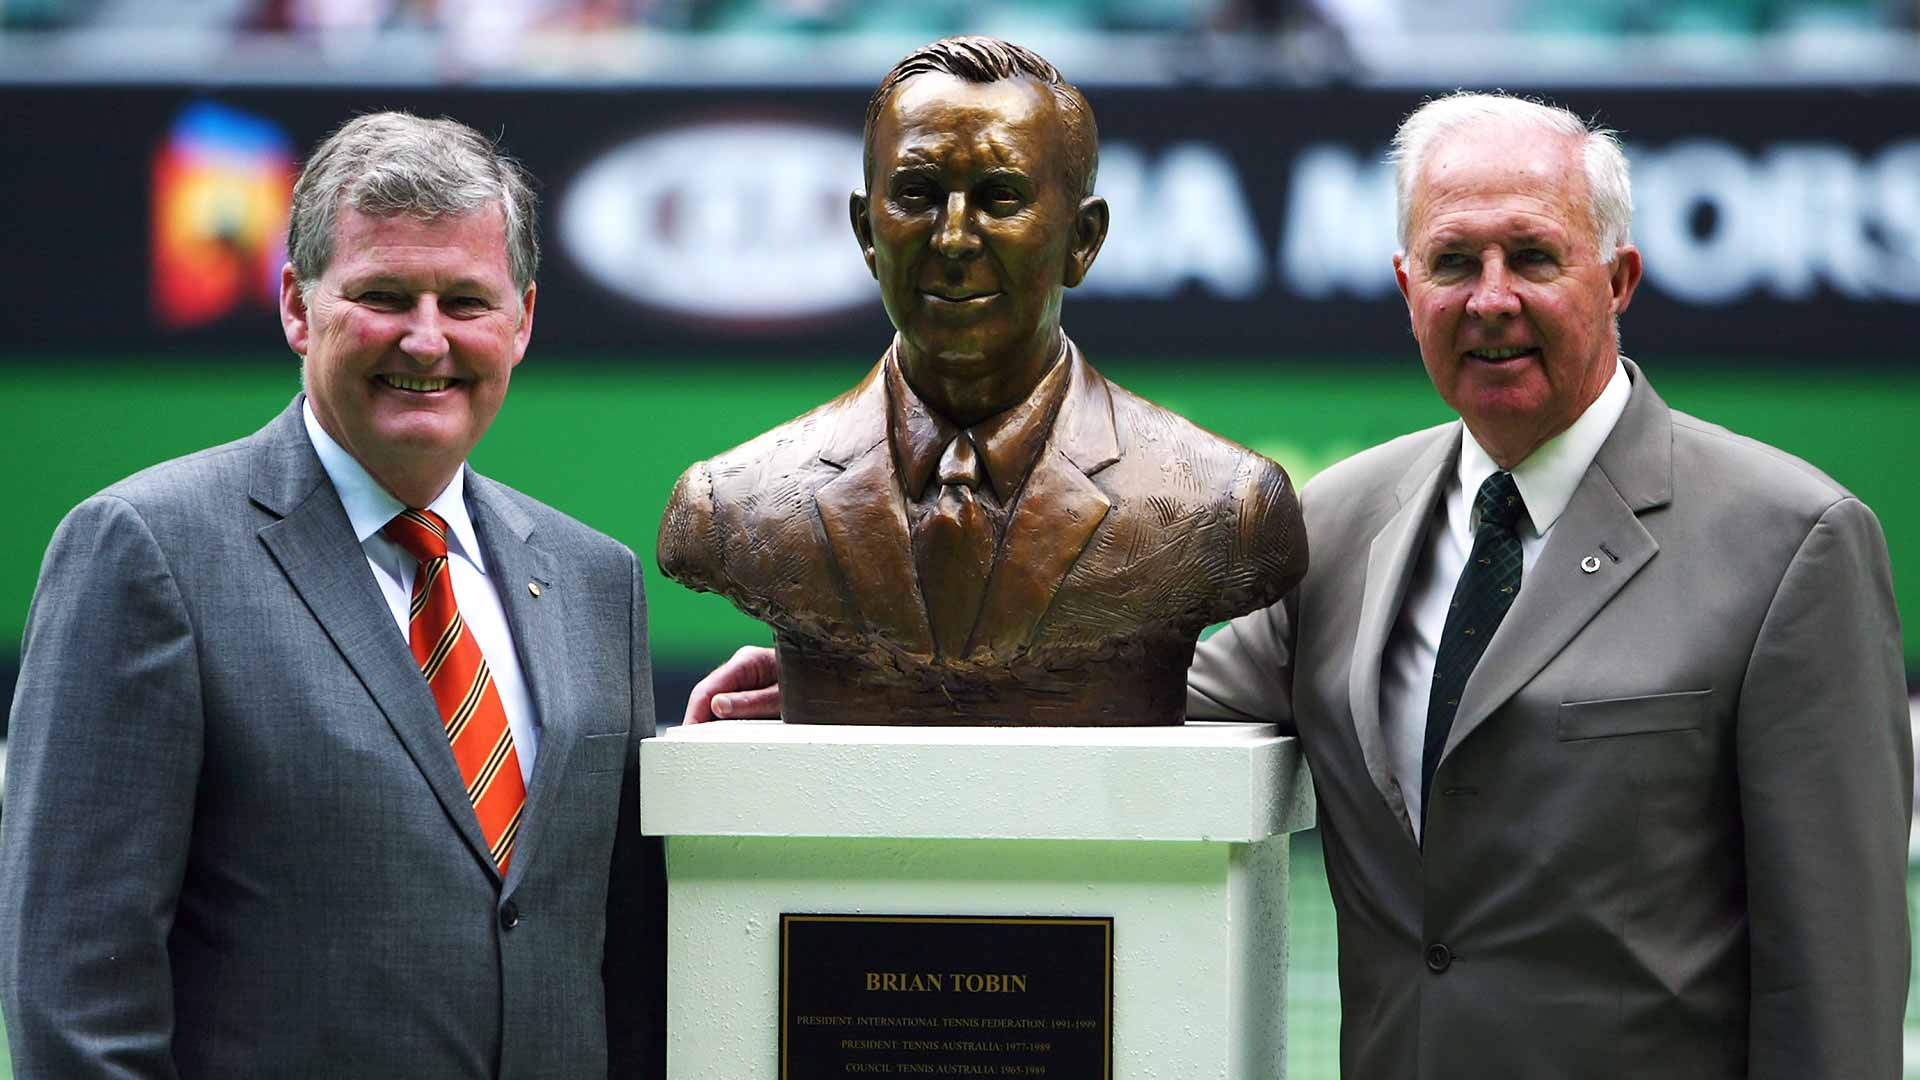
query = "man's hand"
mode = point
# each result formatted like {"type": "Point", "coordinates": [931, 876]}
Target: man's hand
{"type": "Point", "coordinates": [746, 687]}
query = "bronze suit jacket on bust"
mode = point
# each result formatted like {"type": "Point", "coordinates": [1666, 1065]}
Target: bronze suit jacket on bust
{"type": "Point", "coordinates": [1668, 831]}
{"type": "Point", "coordinates": [1133, 528]}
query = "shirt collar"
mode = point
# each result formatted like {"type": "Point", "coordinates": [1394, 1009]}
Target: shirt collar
{"type": "Point", "coordinates": [1008, 442]}
{"type": "Point", "coordinates": [1549, 476]}
{"type": "Point", "coordinates": [369, 506]}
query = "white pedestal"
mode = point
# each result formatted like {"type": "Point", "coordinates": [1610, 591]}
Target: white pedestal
{"type": "Point", "coordinates": [1178, 833]}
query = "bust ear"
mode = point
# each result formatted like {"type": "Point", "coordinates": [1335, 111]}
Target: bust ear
{"type": "Point", "coordinates": [862, 228]}
{"type": "Point", "coordinates": [1089, 232]}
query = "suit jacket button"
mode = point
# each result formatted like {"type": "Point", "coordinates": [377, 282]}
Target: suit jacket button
{"type": "Point", "coordinates": [509, 915]}
{"type": "Point", "coordinates": [1439, 957]}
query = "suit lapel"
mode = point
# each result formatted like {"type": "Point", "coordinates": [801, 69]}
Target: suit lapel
{"type": "Point", "coordinates": [539, 624]}
{"type": "Point", "coordinates": [313, 543]}
{"type": "Point", "coordinates": [1632, 473]}
{"type": "Point", "coordinates": [865, 517]}
{"type": "Point", "coordinates": [1390, 561]}
{"type": "Point", "coordinates": [1054, 516]}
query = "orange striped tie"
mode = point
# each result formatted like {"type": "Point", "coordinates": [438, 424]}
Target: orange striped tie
{"type": "Point", "coordinates": [462, 686]}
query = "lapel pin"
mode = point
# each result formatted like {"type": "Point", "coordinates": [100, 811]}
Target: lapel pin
{"type": "Point", "coordinates": [534, 586]}
{"type": "Point", "coordinates": [1590, 564]}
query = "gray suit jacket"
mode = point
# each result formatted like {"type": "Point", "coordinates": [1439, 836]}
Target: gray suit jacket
{"type": "Point", "coordinates": [236, 842]}
{"type": "Point", "coordinates": [1668, 834]}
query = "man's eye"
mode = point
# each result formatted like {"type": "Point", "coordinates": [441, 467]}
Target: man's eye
{"type": "Point", "coordinates": [1532, 257]}
{"type": "Point", "coordinates": [467, 303]}
{"type": "Point", "coordinates": [1450, 261]}
{"type": "Point", "coordinates": [382, 299]}
{"type": "Point", "coordinates": [913, 194]}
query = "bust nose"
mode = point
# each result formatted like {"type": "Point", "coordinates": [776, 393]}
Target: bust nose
{"type": "Point", "coordinates": [954, 236]}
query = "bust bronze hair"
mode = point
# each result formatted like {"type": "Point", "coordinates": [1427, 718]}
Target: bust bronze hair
{"type": "Point", "coordinates": [984, 530]}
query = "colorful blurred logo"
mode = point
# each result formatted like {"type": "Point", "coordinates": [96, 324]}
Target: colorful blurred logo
{"type": "Point", "coordinates": [221, 185]}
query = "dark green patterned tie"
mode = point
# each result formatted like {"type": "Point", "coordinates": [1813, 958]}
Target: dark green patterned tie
{"type": "Point", "coordinates": [1486, 589]}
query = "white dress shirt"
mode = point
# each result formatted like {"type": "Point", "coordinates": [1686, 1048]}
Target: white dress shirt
{"type": "Point", "coordinates": [369, 507]}
{"type": "Point", "coordinates": [1547, 480]}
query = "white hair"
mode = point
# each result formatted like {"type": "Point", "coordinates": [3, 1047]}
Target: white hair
{"type": "Point", "coordinates": [1609, 190]}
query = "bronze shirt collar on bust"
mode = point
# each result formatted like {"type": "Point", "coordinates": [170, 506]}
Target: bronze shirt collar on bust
{"type": "Point", "coordinates": [1008, 442]}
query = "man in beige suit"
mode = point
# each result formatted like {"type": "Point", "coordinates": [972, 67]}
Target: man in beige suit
{"type": "Point", "coordinates": [1664, 818]}
{"type": "Point", "coordinates": [1605, 704]}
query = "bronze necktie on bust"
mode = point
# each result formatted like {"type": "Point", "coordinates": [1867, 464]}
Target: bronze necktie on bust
{"type": "Point", "coordinates": [462, 686]}
{"type": "Point", "coordinates": [953, 549]}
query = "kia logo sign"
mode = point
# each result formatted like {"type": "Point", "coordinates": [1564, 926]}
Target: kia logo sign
{"type": "Point", "coordinates": [741, 225]}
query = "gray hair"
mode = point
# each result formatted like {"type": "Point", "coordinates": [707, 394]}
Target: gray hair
{"type": "Point", "coordinates": [390, 163]}
{"type": "Point", "coordinates": [1609, 189]}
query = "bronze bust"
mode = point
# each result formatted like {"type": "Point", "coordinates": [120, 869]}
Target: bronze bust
{"type": "Point", "coordinates": [984, 530]}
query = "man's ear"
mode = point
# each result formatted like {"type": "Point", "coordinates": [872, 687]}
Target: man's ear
{"type": "Point", "coordinates": [1402, 279]}
{"type": "Point", "coordinates": [1624, 277]}
{"type": "Point", "coordinates": [294, 320]}
{"type": "Point", "coordinates": [862, 229]}
{"type": "Point", "coordinates": [1089, 232]}
{"type": "Point", "coordinates": [523, 333]}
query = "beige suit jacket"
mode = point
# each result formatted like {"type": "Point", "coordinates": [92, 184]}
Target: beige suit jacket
{"type": "Point", "coordinates": [1668, 834]}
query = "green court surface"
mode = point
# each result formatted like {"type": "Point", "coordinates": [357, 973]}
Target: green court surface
{"type": "Point", "coordinates": [1313, 999]}
{"type": "Point", "coordinates": [604, 441]}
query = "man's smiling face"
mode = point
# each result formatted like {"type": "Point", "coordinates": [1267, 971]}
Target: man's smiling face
{"type": "Point", "coordinates": [1511, 303]}
{"type": "Point", "coordinates": [968, 225]}
{"type": "Point", "coordinates": [409, 339]}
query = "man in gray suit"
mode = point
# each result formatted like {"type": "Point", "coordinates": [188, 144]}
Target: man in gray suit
{"type": "Point", "coordinates": [1605, 704]}
{"type": "Point", "coordinates": [1651, 820]}
{"type": "Point", "coordinates": [324, 746]}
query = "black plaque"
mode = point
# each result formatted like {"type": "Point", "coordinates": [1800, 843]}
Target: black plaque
{"type": "Point", "coordinates": [946, 996]}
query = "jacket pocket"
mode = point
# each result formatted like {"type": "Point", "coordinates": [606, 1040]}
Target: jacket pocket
{"type": "Point", "coordinates": [1683, 711]}
{"type": "Point", "coordinates": [603, 752]}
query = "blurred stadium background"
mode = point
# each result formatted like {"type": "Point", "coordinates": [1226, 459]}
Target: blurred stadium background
{"type": "Point", "coordinates": [700, 284]}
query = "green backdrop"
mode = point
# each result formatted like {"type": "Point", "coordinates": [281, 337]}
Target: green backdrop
{"type": "Point", "coordinates": [604, 439]}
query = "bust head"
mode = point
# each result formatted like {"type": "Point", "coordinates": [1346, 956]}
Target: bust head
{"type": "Point", "coordinates": [978, 213]}
{"type": "Point", "coordinates": [1064, 583]}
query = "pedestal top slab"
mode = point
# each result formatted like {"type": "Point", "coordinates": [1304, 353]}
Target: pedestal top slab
{"type": "Point", "coordinates": [1203, 780]}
